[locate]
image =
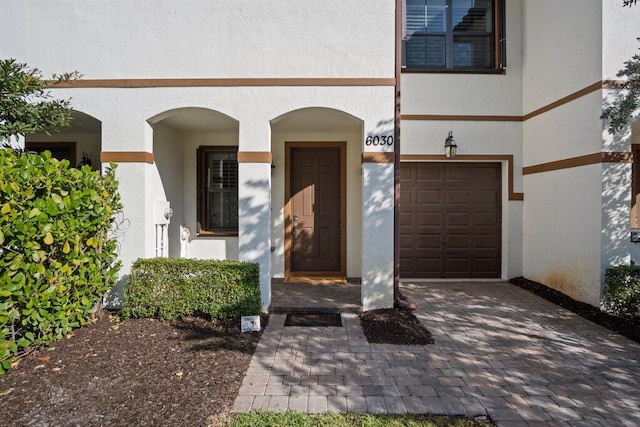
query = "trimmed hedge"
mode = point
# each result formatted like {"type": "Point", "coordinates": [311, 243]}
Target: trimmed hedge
{"type": "Point", "coordinates": [622, 290]}
{"type": "Point", "coordinates": [57, 252]}
{"type": "Point", "coordinates": [170, 289]}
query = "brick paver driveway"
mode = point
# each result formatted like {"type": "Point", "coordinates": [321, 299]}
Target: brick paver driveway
{"type": "Point", "coordinates": [499, 351]}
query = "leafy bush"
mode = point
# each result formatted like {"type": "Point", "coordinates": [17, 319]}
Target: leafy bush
{"type": "Point", "coordinates": [56, 253]}
{"type": "Point", "coordinates": [622, 291]}
{"type": "Point", "coordinates": [172, 289]}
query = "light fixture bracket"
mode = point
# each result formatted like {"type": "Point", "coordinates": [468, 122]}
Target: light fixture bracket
{"type": "Point", "coordinates": [450, 146]}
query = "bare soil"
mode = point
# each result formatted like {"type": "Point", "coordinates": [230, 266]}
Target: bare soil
{"type": "Point", "coordinates": [394, 326]}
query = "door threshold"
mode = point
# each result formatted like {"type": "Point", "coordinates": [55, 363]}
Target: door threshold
{"type": "Point", "coordinates": [315, 280]}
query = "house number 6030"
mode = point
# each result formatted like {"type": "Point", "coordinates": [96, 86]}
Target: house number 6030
{"type": "Point", "coordinates": [377, 140]}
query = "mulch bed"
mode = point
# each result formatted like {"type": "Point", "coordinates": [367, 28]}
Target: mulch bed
{"type": "Point", "coordinates": [629, 328]}
{"type": "Point", "coordinates": [394, 326]}
{"type": "Point", "coordinates": [139, 372]}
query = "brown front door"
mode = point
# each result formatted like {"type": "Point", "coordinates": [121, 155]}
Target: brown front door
{"type": "Point", "coordinates": [450, 220]}
{"type": "Point", "coordinates": [315, 210]}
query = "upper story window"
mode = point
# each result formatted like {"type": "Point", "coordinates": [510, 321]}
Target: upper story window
{"type": "Point", "coordinates": [218, 190]}
{"type": "Point", "coordinates": [465, 35]}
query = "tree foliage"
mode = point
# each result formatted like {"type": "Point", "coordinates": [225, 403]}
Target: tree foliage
{"type": "Point", "coordinates": [57, 248]}
{"type": "Point", "coordinates": [625, 104]}
{"type": "Point", "coordinates": [26, 106]}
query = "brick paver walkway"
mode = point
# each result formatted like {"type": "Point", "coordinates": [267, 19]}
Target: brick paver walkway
{"type": "Point", "coordinates": [499, 351]}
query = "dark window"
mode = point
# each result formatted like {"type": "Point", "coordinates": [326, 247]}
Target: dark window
{"type": "Point", "coordinates": [218, 190]}
{"type": "Point", "coordinates": [59, 150]}
{"type": "Point", "coordinates": [454, 34]}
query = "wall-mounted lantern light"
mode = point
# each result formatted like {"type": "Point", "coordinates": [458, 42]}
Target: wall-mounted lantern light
{"type": "Point", "coordinates": [85, 160]}
{"type": "Point", "coordinates": [450, 146]}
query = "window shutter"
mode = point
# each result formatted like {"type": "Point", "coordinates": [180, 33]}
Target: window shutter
{"type": "Point", "coordinates": [502, 38]}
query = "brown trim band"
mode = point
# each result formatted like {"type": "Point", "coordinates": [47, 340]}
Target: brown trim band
{"type": "Point", "coordinates": [589, 159]}
{"type": "Point", "coordinates": [513, 196]}
{"type": "Point", "coordinates": [378, 157]}
{"type": "Point", "coordinates": [255, 157]}
{"type": "Point", "coordinates": [461, 118]}
{"type": "Point", "coordinates": [606, 84]}
{"type": "Point", "coordinates": [569, 98]}
{"type": "Point", "coordinates": [612, 84]}
{"type": "Point", "coordinates": [126, 157]}
{"type": "Point", "coordinates": [224, 82]}
{"type": "Point", "coordinates": [617, 157]}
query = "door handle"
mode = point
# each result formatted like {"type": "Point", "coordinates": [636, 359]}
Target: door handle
{"type": "Point", "coordinates": [295, 230]}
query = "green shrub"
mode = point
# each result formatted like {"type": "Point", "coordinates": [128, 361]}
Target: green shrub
{"type": "Point", "coordinates": [622, 290]}
{"type": "Point", "coordinates": [172, 289]}
{"type": "Point", "coordinates": [57, 253]}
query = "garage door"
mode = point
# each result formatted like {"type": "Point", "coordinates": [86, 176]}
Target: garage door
{"type": "Point", "coordinates": [450, 219]}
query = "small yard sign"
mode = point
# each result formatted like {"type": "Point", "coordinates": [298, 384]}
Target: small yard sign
{"type": "Point", "coordinates": [250, 323]}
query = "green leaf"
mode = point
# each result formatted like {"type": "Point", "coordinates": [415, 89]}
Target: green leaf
{"type": "Point", "coordinates": [48, 239]}
{"type": "Point", "coordinates": [34, 212]}
{"type": "Point", "coordinates": [19, 279]}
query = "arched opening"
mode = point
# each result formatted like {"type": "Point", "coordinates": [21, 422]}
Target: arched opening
{"type": "Point", "coordinates": [195, 156]}
{"type": "Point", "coordinates": [80, 143]}
{"type": "Point", "coordinates": [326, 240]}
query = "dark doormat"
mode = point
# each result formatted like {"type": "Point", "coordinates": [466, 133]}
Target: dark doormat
{"type": "Point", "coordinates": [313, 319]}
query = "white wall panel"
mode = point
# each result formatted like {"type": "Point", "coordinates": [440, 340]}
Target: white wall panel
{"type": "Point", "coordinates": [562, 231]}
{"type": "Point", "coordinates": [202, 38]}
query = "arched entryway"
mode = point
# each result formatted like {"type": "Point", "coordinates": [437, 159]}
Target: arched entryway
{"type": "Point", "coordinates": [316, 194]}
{"type": "Point", "coordinates": [80, 143]}
{"type": "Point", "coordinates": [195, 156]}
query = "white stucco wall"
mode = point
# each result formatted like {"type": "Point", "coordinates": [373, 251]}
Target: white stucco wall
{"type": "Point", "coordinates": [168, 180]}
{"type": "Point", "coordinates": [562, 209]}
{"type": "Point", "coordinates": [576, 220]}
{"type": "Point", "coordinates": [377, 235]}
{"type": "Point", "coordinates": [562, 231]}
{"type": "Point", "coordinates": [619, 33]}
{"type": "Point", "coordinates": [619, 40]}
{"type": "Point", "coordinates": [202, 38]}
{"type": "Point", "coordinates": [562, 43]}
